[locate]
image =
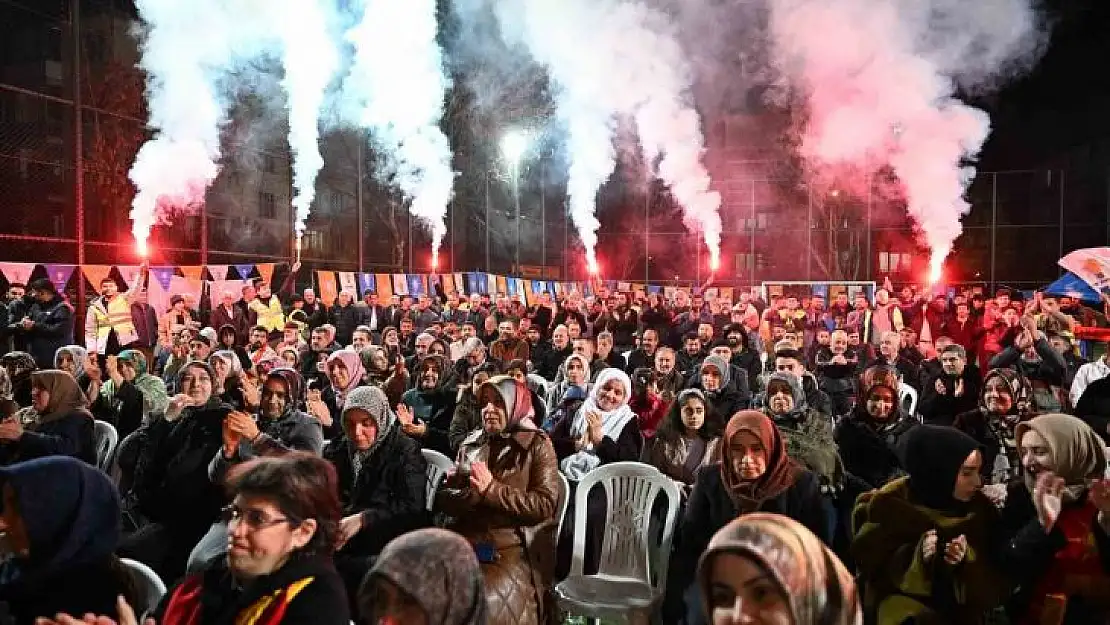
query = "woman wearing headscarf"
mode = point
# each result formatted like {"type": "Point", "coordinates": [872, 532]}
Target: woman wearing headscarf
{"type": "Point", "coordinates": [345, 372]}
{"type": "Point", "coordinates": [378, 371]}
{"type": "Point", "coordinates": [61, 520]}
{"type": "Point", "coordinates": [381, 481]}
{"type": "Point", "coordinates": [503, 500]}
{"type": "Point", "coordinates": [871, 436]}
{"type": "Point", "coordinates": [928, 545]}
{"type": "Point", "coordinates": [603, 430]}
{"type": "Point", "coordinates": [767, 568]}
{"type": "Point", "coordinates": [229, 378]}
{"type": "Point", "coordinates": [715, 378]}
{"type": "Point", "coordinates": [19, 365]}
{"type": "Point", "coordinates": [468, 413]}
{"type": "Point", "coordinates": [1058, 522]}
{"type": "Point", "coordinates": [291, 357]}
{"type": "Point", "coordinates": [755, 475]}
{"type": "Point", "coordinates": [688, 439]}
{"type": "Point", "coordinates": [1004, 401]}
{"type": "Point", "coordinates": [171, 485]}
{"type": "Point", "coordinates": [279, 429]}
{"type": "Point", "coordinates": [72, 359]}
{"type": "Point", "coordinates": [565, 397]}
{"type": "Point", "coordinates": [428, 576]}
{"type": "Point", "coordinates": [58, 423]}
{"type": "Point", "coordinates": [227, 340]}
{"type": "Point", "coordinates": [130, 396]}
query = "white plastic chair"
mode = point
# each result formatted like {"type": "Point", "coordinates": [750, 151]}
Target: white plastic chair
{"type": "Point", "coordinates": [565, 502]}
{"type": "Point", "coordinates": [438, 466]}
{"type": "Point", "coordinates": [150, 585]}
{"type": "Point", "coordinates": [105, 437]}
{"type": "Point", "coordinates": [907, 398]}
{"type": "Point", "coordinates": [632, 572]}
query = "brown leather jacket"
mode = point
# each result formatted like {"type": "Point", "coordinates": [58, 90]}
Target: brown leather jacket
{"type": "Point", "coordinates": [517, 516]}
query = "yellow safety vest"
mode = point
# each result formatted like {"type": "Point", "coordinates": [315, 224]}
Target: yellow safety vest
{"type": "Point", "coordinates": [271, 317]}
{"type": "Point", "coordinates": [103, 318]}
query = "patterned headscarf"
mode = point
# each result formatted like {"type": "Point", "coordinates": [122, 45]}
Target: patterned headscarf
{"type": "Point", "coordinates": [781, 472]}
{"type": "Point", "coordinates": [19, 365]}
{"type": "Point", "coordinates": [517, 399]}
{"type": "Point", "coordinates": [373, 401]}
{"type": "Point", "coordinates": [816, 584]}
{"type": "Point", "coordinates": [1020, 392]}
{"type": "Point", "coordinates": [77, 353]}
{"type": "Point", "coordinates": [438, 570]}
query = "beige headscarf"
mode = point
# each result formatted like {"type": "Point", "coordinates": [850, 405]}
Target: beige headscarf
{"type": "Point", "coordinates": [1077, 451]}
{"type": "Point", "coordinates": [65, 396]}
{"type": "Point", "coordinates": [815, 583]}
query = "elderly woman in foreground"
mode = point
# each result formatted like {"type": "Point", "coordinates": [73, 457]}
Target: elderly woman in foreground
{"type": "Point", "coordinates": [504, 498]}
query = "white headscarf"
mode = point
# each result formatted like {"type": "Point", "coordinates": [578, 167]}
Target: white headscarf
{"type": "Point", "coordinates": [576, 466]}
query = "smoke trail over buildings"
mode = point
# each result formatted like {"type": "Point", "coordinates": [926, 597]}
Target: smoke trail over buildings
{"type": "Point", "coordinates": [310, 58]}
{"type": "Point", "coordinates": [880, 79]}
{"type": "Point", "coordinates": [398, 83]}
{"type": "Point", "coordinates": [197, 56]}
{"type": "Point", "coordinates": [610, 59]}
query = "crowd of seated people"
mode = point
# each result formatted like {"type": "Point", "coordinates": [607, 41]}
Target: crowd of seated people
{"type": "Point", "coordinates": [906, 459]}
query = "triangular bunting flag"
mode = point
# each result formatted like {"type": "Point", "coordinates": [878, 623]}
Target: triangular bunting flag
{"type": "Point", "coordinates": [266, 270]}
{"type": "Point", "coordinates": [163, 276]}
{"type": "Point", "coordinates": [347, 282]}
{"type": "Point", "coordinates": [17, 272]}
{"type": "Point", "coordinates": [366, 284]}
{"type": "Point", "coordinates": [328, 290]}
{"type": "Point", "coordinates": [502, 285]}
{"type": "Point", "coordinates": [192, 272]}
{"type": "Point", "coordinates": [60, 275]}
{"type": "Point", "coordinates": [654, 289]}
{"type": "Point", "coordinates": [384, 285]}
{"type": "Point", "coordinates": [460, 284]}
{"type": "Point", "coordinates": [510, 287]}
{"type": "Point", "coordinates": [219, 272]}
{"type": "Point", "coordinates": [130, 274]}
{"type": "Point", "coordinates": [416, 284]}
{"type": "Point", "coordinates": [245, 271]}
{"type": "Point", "coordinates": [491, 284]}
{"type": "Point", "coordinates": [95, 274]}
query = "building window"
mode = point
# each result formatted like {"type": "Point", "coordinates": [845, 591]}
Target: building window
{"type": "Point", "coordinates": [267, 205]}
{"type": "Point", "coordinates": [895, 262]}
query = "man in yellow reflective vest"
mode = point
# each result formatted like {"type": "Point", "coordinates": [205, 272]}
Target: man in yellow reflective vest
{"type": "Point", "coordinates": [267, 307]}
{"type": "Point", "coordinates": [109, 328]}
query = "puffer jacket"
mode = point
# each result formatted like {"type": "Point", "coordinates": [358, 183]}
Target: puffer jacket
{"type": "Point", "coordinates": [516, 516]}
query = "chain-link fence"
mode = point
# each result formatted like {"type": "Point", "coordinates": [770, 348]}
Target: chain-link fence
{"type": "Point", "coordinates": [72, 117]}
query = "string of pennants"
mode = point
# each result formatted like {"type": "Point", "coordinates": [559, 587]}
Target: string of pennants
{"type": "Point", "coordinates": [189, 278]}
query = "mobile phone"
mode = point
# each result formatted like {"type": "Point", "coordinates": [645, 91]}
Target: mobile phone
{"type": "Point", "coordinates": [486, 553]}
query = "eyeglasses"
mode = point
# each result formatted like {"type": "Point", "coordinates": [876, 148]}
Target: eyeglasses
{"type": "Point", "coordinates": [255, 519]}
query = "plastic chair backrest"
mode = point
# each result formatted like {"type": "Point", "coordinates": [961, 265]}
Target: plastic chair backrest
{"type": "Point", "coordinates": [565, 502]}
{"type": "Point", "coordinates": [113, 470]}
{"type": "Point", "coordinates": [907, 398]}
{"type": "Point", "coordinates": [626, 548]}
{"type": "Point", "coordinates": [151, 586]}
{"type": "Point", "coordinates": [106, 438]}
{"type": "Point", "coordinates": [438, 466]}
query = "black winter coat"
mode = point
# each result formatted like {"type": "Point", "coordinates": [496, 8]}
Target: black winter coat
{"type": "Point", "coordinates": [53, 328]}
{"type": "Point", "coordinates": [171, 476]}
{"type": "Point", "coordinates": [71, 435]}
{"type": "Point", "coordinates": [389, 491]}
{"type": "Point", "coordinates": [873, 457]}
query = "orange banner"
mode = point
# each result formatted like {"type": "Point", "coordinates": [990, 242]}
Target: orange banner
{"type": "Point", "coordinates": [266, 270]}
{"type": "Point", "coordinates": [328, 289]}
{"type": "Point", "coordinates": [384, 285]}
{"type": "Point", "coordinates": [193, 272]}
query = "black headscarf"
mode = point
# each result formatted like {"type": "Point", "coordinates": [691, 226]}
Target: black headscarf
{"type": "Point", "coordinates": [934, 455]}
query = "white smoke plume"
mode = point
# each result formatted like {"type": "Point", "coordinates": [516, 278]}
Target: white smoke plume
{"type": "Point", "coordinates": [610, 58]}
{"type": "Point", "coordinates": [174, 168]}
{"type": "Point", "coordinates": [880, 79]}
{"type": "Point", "coordinates": [398, 82]}
{"type": "Point", "coordinates": [310, 58]}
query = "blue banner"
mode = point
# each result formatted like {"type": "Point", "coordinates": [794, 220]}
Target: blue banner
{"type": "Point", "coordinates": [245, 271]}
{"type": "Point", "coordinates": [163, 275]}
{"type": "Point", "coordinates": [416, 285]}
{"type": "Point", "coordinates": [366, 283]}
{"type": "Point", "coordinates": [60, 275]}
